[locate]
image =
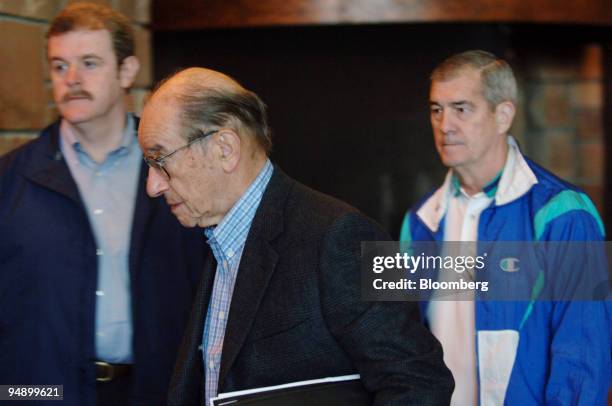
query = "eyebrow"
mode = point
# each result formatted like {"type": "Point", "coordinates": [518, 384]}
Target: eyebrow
{"type": "Point", "coordinates": [92, 56]}
{"type": "Point", "coordinates": [462, 103]}
{"type": "Point", "coordinates": [59, 58]}
{"type": "Point", "coordinates": [155, 149]}
{"type": "Point", "coordinates": [459, 103]}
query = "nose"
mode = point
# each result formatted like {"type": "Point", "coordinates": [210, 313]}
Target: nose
{"type": "Point", "coordinates": [445, 122]}
{"type": "Point", "coordinates": [73, 76]}
{"type": "Point", "coordinates": [156, 183]}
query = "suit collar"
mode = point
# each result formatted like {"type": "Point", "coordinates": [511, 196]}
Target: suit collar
{"type": "Point", "coordinates": [257, 266]}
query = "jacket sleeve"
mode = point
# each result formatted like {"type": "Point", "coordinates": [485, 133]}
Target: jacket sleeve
{"type": "Point", "coordinates": [399, 361]}
{"type": "Point", "coordinates": [580, 367]}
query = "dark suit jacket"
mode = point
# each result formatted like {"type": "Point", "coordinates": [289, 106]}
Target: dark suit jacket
{"type": "Point", "coordinates": [296, 311]}
{"type": "Point", "coordinates": [48, 278]}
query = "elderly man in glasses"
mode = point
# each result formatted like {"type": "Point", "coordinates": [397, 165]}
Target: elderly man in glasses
{"type": "Point", "coordinates": [96, 279]}
{"type": "Point", "coordinates": [279, 300]}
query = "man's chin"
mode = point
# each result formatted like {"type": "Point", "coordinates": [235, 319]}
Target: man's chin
{"type": "Point", "coordinates": [76, 117]}
{"type": "Point", "coordinates": [186, 221]}
{"type": "Point", "coordinates": [451, 161]}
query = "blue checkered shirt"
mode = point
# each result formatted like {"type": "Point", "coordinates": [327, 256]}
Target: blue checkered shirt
{"type": "Point", "coordinates": [227, 241]}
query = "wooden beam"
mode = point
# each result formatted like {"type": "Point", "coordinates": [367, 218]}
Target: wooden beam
{"type": "Point", "coordinates": [203, 14]}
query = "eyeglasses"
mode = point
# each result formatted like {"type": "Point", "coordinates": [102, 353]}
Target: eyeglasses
{"type": "Point", "coordinates": [159, 164]}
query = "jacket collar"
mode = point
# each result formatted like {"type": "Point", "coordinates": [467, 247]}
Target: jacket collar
{"type": "Point", "coordinates": [516, 180]}
{"type": "Point", "coordinates": [47, 167]}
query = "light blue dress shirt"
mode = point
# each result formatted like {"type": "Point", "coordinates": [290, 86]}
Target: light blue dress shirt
{"type": "Point", "coordinates": [109, 190]}
{"type": "Point", "coordinates": [227, 241]}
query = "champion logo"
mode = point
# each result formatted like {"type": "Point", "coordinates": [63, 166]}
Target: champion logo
{"type": "Point", "coordinates": [509, 264]}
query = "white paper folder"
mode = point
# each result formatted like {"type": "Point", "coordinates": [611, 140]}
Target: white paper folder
{"type": "Point", "coordinates": [337, 390]}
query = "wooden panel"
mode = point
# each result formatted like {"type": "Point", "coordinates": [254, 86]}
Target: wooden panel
{"type": "Point", "coordinates": [201, 14]}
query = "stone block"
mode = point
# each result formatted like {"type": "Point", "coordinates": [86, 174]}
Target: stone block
{"type": "Point", "coordinates": [552, 67]}
{"type": "Point", "coordinates": [9, 141]}
{"type": "Point", "coordinates": [143, 52]}
{"type": "Point", "coordinates": [51, 111]}
{"type": "Point", "coordinates": [106, 2]}
{"type": "Point", "coordinates": [596, 193]}
{"type": "Point", "coordinates": [591, 161]}
{"type": "Point", "coordinates": [519, 125]}
{"type": "Point", "coordinates": [562, 155]}
{"type": "Point", "coordinates": [138, 11]}
{"type": "Point", "coordinates": [22, 96]}
{"type": "Point", "coordinates": [587, 94]}
{"type": "Point", "coordinates": [136, 99]}
{"type": "Point", "coordinates": [536, 146]}
{"type": "Point", "coordinates": [589, 123]}
{"type": "Point", "coordinates": [37, 9]}
{"type": "Point", "coordinates": [550, 106]}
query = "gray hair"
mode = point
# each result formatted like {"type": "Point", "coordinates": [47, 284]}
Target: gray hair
{"type": "Point", "coordinates": [497, 78]}
{"type": "Point", "coordinates": [210, 107]}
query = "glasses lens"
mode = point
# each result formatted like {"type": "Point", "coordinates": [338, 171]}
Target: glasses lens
{"type": "Point", "coordinates": [157, 166]}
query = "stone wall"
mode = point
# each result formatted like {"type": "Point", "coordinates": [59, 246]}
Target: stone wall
{"type": "Point", "coordinates": [561, 122]}
{"type": "Point", "coordinates": [26, 98]}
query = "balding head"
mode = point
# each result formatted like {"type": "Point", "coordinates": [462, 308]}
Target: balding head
{"type": "Point", "coordinates": [206, 139]}
{"type": "Point", "coordinates": [209, 99]}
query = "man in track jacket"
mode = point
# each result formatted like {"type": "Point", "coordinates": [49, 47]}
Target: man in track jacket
{"type": "Point", "coordinates": [506, 352]}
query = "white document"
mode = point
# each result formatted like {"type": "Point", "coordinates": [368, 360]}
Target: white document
{"type": "Point", "coordinates": [227, 395]}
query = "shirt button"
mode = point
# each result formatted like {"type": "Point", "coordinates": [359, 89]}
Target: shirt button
{"type": "Point", "coordinates": [99, 293]}
{"type": "Point", "coordinates": [99, 252]}
{"type": "Point", "coordinates": [98, 211]}
{"type": "Point", "coordinates": [230, 253]}
{"type": "Point", "coordinates": [211, 364]}
{"type": "Point", "coordinates": [221, 315]}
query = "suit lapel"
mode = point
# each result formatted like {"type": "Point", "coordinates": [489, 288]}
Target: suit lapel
{"type": "Point", "coordinates": [187, 385]}
{"type": "Point", "coordinates": [257, 266]}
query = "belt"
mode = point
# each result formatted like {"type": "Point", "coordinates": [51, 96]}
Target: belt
{"type": "Point", "coordinates": [106, 372]}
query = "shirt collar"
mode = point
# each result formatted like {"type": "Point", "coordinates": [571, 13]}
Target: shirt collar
{"type": "Point", "coordinates": [515, 179]}
{"type": "Point", "coordinates": [490, 189]}
{"type": "Point", "coordinates": [228, 237]}
{"type": "Point", "coordinates": [128, 139]}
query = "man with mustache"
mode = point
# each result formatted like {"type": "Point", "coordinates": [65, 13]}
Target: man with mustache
{"type": "Point", "coordinates": [280, 298]}
{"type": "Point", "coordinates": [96, 279]}
{"type": "Point", "coordinates": [507, 352]}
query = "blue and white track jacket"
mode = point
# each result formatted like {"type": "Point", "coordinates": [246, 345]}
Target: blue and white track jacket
{"type": "Point", "coordinates": [554, 353]}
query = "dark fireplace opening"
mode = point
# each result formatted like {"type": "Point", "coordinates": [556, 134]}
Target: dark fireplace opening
{"type": "Point", "coordinates": [348, 104]}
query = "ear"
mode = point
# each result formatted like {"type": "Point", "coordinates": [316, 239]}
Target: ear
{"type": "Point", "coordinates": [504, 115]}
{"type": "Point", "coordinates": [128, 70]}
{"type": "Point", "coordinates": [229, 147]}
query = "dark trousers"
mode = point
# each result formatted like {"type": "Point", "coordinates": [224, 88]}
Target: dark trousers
{"type": "Point", "coordinates": [115, 392]}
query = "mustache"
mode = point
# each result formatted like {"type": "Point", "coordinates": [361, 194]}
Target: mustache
{"type": "Point", "coordinates": [77, 93]}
